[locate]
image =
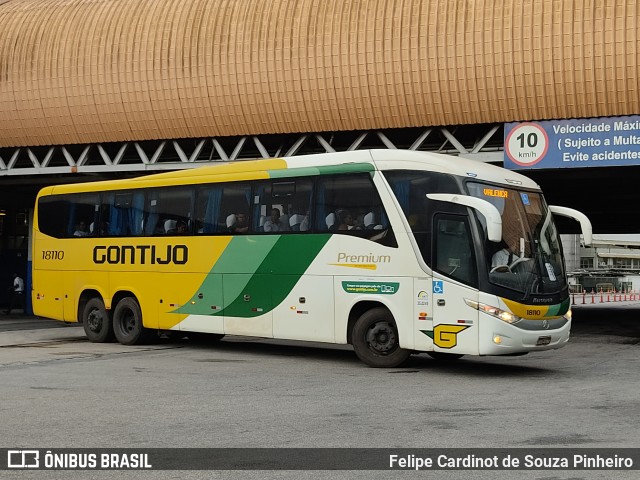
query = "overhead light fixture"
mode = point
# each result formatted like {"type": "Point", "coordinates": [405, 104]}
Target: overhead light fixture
{"type": "Point", "coordinates": [2, 213]}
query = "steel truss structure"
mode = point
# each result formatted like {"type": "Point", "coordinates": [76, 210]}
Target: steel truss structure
{"type": "Point", "coordinates": [481, 142]}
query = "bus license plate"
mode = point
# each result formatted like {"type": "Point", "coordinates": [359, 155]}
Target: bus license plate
{"type": "Point", "coordinates": [546, 340]}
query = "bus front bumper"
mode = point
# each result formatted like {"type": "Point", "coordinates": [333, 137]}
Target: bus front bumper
{"type": "Point", "coordinates": [500, 338]}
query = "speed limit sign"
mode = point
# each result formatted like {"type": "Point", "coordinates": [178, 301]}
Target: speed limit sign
{"type": "Point", "coordinates": [527, 144]}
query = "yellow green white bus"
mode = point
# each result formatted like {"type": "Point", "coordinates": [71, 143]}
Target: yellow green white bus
{"type": "Point", "coordinates": [391, 251]}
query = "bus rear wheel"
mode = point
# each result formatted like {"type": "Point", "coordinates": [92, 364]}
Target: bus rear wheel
{"type": "Point", "coordinates": [96, 321]}
{"type": "Point", "coordinates": [376, 341]}
{"type": "Point", "coordinates": [127, 322]}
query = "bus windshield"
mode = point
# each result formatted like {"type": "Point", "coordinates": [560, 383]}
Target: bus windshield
{"type": "Point", "coordinates": [529, 257]}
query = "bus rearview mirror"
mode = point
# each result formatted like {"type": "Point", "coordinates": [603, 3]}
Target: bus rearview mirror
{"type": "Point", "coordinates": [490, 212]}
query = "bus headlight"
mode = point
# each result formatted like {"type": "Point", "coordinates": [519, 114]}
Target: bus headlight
{"type": "Point", "coordinates": [568, 315]}
{"type": "Point", "coordinates": [503, 315]}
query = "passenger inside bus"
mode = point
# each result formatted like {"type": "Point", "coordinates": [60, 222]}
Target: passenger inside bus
{"type": "Point", "coordinates": [272, 224]}
{"type": "Point", "coordinates": [239, 224]}
{"type": "Point", "coordinates": [81, 230]}
{"type": "Point", "coordinates": [181, 227]}
{"type": "Point", "coordinates": [345, 220]}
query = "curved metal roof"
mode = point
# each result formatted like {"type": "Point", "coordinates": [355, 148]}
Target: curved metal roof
{"type": "Point", "coordinates": [84, 71]}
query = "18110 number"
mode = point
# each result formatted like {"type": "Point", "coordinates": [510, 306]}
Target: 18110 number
{"type": "Point", "coordinates": [52, 254]}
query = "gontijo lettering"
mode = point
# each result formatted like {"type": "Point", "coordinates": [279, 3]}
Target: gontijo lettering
{"type": "Point", "coordinates": [140, 254]}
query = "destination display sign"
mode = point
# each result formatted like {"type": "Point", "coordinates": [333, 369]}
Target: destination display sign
{"type": "Point", "coordinates": [585, 142]}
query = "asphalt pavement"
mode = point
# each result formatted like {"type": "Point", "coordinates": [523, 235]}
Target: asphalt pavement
{"type": "Point", "coordinates": [617, 319]}
{"type": "Point", "coordinates": [61, 391]}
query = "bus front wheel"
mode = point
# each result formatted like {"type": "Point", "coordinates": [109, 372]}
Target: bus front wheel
{"type": "Point", "coordinates": [127, 322]}
{"type": "Point", "coordinates": [96, 321]}
{"type": "Point", "coordinates": [375, 340]}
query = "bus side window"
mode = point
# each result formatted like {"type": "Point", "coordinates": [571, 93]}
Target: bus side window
{"type": "Point", "coordinates": [168, 211]}
{"type": "Point", "coordinates": [83, 211]}
{"type": "Point", "coordinates": [454, 249]}
{"type": "Point", "coordinates": [410, 189]}
{"type": "Point", "coordinates": [349, 204]}
{"type": "Point", "coordinates": [122, 213]}
{"type": "Point", "coordinates": [282, 205]}
{"type": "Point", "coordinates": [53, 215]}
{"type": "Point", "coordinates": [224, 208]}
{"type": "Point", "coordinates": [297, 207]}
{"type": "Point", "coordinates": [208, 209]}
{"type": "Point", "coordinates": [235, 213]}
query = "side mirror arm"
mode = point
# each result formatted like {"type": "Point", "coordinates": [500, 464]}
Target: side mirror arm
{"type": "Point", "coordinates": [489, 211]}
{"type": "Point", "coordinates": [585, 224]}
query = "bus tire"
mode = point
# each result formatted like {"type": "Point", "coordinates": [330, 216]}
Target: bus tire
{"type": "Point", "coordinates": [375, 339]}
{"type": "Point", "coordinates": [200, 337]}
{"type": "Point", "coordinates": [96, 321]}
{"type": "Point", "coordinates": [445, 356]}
{"type": "Point", "coordinates": [127, 322]}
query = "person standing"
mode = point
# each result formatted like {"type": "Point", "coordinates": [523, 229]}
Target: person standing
{"type": "Point", "coordinates": [17, 294]}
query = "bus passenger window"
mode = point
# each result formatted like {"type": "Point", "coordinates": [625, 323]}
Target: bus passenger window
{"type": "Point", "coordinates": [282, 205]}
{"type": "Point", "coordinates": [84, 209]}
{"type": "Point", "coordinates": [166, 209]}
{"type": "Point", "coordinates": [350, 204]}
{"type": "Point", "coordinates": [53, 215]}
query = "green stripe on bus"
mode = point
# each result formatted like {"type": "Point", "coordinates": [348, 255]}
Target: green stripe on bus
{"type": "Point", "coordinates": [243, 256]}
{"type": "Point", "coordinates": [294, 172]}
{"type": "Point", "coordinates": [346, 168]}
{"type": "Point", "coordinates": [560, 309]}
{"type": "Point", "coordinates": [258, 272]}
{"type": "Point", "coordinates": [245, 253]}
{"type": "Point", "coordinates": [323, 170]}
{"type": "Point", "coordinates": [277, 275]}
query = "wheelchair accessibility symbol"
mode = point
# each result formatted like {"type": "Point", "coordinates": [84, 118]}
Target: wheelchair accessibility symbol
{"type": "Point", "coordinates": [438, 286]}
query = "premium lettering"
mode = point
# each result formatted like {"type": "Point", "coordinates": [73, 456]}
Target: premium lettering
{"type": "Point", "coordinates": [370, 258]}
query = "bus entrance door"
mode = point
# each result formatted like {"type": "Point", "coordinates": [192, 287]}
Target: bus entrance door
{"type": "Point", "coordinates": [455, 324]}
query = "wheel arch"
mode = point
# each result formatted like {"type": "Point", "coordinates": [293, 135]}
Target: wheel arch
{"type": "Point", "coordinates": [86, 295]}
{"type": "Point", "coordinates": [120, 294]}
{"type": "Point", "coordinates": [359, 309]}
